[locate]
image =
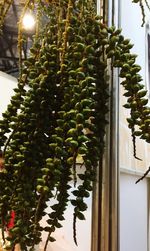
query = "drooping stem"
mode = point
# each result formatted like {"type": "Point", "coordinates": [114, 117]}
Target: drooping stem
{"type": "Point", "coordinates": [59, 24]}
{"type": "Point", "coordinates": [143, 12]}
{"type": "Point", "coordinates": [36, 217]}
{"type": "Point", "coordinates": [74, 229]}
{"type": "Point", "coordinates": [65, 34]}
{"type": "Point", "coordinates": [145, 174]}
{"type": "Point", "coordinates": [3, 226]}
{"type": "Point", "coordinates": [20, 30]}
{"type": "Point", "coordinates": [147, 4]}
{"type": "Point", "coordinates": [134, 144]}
{"type": "Point", "coordinates": [5, 11]}
{"type": "Point", "coordinates": [47, 240]}
{"type": "Point", "coordinates": [37, 22]}
{"type": "Point", "coordinates": [74, 169]}
{"type": "Point", "coordinates": [8, 141]}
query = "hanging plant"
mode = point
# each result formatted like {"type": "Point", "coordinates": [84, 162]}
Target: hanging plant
{"type": "Point", "coordinates": [62, 116]}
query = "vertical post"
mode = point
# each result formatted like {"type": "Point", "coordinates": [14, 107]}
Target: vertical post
{"type": "Point", "coordinates": [114, 167]}
{"type": "Point", "coordinates": [100, 207]}
{"type": "Point", "coordinates": [148, 214]}
{"type": "Point", "coordinates": [113, 19]}
{"type": "Point", "coordinates": [105, 224]}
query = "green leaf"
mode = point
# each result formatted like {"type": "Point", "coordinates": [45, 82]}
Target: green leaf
{"type": "Point", "coordinates": [70, 161]}
{"type": "Point", "coordinates": [72, 132]}
{"type": "Point", "coordinates": [81, 176]}
{"type": "Point", "coordinates": [142, 93]}
{"type": "Point", "coordinates": [137, 133]}
{"type": "Point", "coordinates": [74, 202]}
{"type": "Point", "coordinates": [55, 207]}
{"type": "Point", "coordinates": [80, 216]}
{"type": "Point", "coordinates": [110, 54]}
{"type": "Point", "coordinates": [82, 150]}
{"type": "Point", "coordinates": [83, 138]}
{"type": "Point", "coordinates": [80, 118]}
{"type": "Point", "coordinates": [47, 229]}
{"type": "Point", "coordinates": [144, 101]}
{"type": "Point", "coordinates": [58, 225]}
{"type": "Point", "coordinates": [52, 239]}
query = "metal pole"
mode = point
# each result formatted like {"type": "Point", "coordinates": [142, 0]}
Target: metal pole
{"type": "Point", "coordinates": [105, 224]}
{"type": "Point", "coordinates": [114, 143]}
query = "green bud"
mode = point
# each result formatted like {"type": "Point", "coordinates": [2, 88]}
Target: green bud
{"type": "Point", "coordinates": [137, 133]}
{"type": "Point", "coordinates": [70, 161]}
{"type": "Point", "coordinates": [72, 132]}
{"type": "Point", "coordinates": [110, 54]}
{"type": "Point", "coordinates": [80, 216]}
{"type": "Point", "coordinates": [144, 101]}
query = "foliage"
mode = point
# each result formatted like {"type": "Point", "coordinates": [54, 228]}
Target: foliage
{"type": "Point", "coordinates": [58, 113]}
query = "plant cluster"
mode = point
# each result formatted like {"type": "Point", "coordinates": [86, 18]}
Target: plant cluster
{"type": "Point", "coordinates": [58, 113]}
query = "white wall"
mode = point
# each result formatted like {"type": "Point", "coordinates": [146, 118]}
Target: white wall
{"type": "Point", "coordinates": [64, 235]}
{"type": "Point", "coordinates": [133, 214]}
{"type": "Point", "coordinates": [130, 22]}
{"type": "Point", "coordinates": [133, 197]}
{"type": "Point", "coordinates": [7, 84]}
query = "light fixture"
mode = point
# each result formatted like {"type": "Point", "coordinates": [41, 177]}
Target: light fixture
{"type": "Point", "coordinates": [28, 21]}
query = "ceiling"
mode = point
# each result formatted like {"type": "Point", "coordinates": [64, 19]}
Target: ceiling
{"type": "Point", "coordinates": [9, 38]}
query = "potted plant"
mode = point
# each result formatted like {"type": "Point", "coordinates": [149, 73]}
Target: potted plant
{"type": "Point", "coordinates": [61, 116]}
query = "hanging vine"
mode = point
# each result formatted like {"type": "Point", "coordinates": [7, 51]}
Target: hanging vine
{"type": "Point", "coordinates": [141, 4]}
{"type": "Point", "coordinates": [4, 8]}
{"type": "Point", "coordinates": [62, 116]}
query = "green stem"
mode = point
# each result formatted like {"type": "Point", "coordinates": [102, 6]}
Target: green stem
{"type": "Point", "coordinates": [3, 224]}
{"type": "Point", "coordinates": [20, 28]}
{"type": "Point", "coordinates": [8, 141]}
{"type": "Point", "coordinates": [74, 229]}
{"type": "Point", "coordinates": [134, 144]}
{"type": "Point", "coordinates": [65, 34]}
{"type": "Point", "coordinates": [143, 12]}
{"type": "Point", "coordinates": [147, 4]}
{"type": "Point", "coordinates": [36, 219]}
{"type": "Point", "coordinates": [5, 11]}
{"type": "Point", "coordinates": [47, 240]}
{"type": "Point", "coordinates": [74, 169]}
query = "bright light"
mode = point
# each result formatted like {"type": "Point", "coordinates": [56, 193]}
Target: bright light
{"type": "Point", "coordinates": [28, 21]}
